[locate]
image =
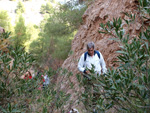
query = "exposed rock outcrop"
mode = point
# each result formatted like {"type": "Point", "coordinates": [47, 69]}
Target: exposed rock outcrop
{"type": "Point", "coordinates": [98, 12]}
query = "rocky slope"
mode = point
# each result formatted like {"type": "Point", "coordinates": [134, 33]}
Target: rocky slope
{"type": "Point", "coordinates": [98, 12]}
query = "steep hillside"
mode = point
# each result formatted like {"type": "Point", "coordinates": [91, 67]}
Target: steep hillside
{"type": "Point", "coordinates": [98, 12]}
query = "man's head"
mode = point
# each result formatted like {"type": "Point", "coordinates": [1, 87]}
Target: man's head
{"type": "Point", "coordinates": [90, 48]}
{"type": "Point", "coordinates": [27, 74]}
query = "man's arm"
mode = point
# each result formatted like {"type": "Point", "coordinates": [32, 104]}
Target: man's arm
{"type": "Point", "coordinates": [81, 64]}
{"type": "Point", "coordinates": [102, 63]}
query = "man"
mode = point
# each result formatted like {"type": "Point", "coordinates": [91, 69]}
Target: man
{"type": "Point", "coordinates": [95, 58]}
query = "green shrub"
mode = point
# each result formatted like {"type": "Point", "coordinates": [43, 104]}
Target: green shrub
{"type": "Point", "coordinates": [21, 95]}
{"type": "Point", "coordinates": [127, 88]}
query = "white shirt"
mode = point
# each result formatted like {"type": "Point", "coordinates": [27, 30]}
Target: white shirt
{"type": "Point", "coordinates": [47, 81]}
{"type": "Point", "coordinates": [99, 63]}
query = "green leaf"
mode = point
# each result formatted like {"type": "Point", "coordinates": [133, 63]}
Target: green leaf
{"type": "Point", "coordinates": [146, 43]}
{"type": "Point", "coordinates": [102, 32]}
{"type": "Point", "coordinates": [44, 109]}
{"type": "Point", "coordinates": [16, 111]}
{"type": "Point", "coordinates": [141, 87]}
{"type": "Point", "coordinates": [9, 107]}
{"type": "Point", "coordinates": [122, 52]}
{"type": "Point", "coordinates": [113, 87]}
{"type": "Point", "coordinates": [120, 98]}
{"type": "Point", "coordinates": [145, 79]}
{"type": "Point", "coordinates": [148, 78]}
{"type": "Point", "coordinates": [126, 21]}
{"type": "Point", "coordinates": [3, 110]}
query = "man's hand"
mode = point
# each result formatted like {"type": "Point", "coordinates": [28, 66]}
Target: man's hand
{"type": "Point", "coordinates": [87, 72]}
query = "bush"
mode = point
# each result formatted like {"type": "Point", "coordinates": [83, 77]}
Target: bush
{"type": "Point", "coordinates": [127, 88]}
{"type": "Point", "coordinates": [23, 95]}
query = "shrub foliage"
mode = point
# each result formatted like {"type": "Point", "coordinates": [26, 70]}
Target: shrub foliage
{"type": "Point", "coordinates": [26, 95]}
{"type": "Point", "coordinates": [127, 88]}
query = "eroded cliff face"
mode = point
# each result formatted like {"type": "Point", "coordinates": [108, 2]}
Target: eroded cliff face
{"type": "Point", "coordinates": [98, 12]}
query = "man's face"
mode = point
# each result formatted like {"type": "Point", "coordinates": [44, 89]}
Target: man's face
{"type": "Point", "coordinates": [91, 51]}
